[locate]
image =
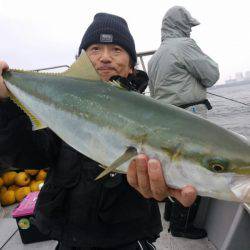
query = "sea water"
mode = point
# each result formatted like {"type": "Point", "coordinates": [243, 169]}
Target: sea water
{"type": "Point", "coordinates": [229, 114]}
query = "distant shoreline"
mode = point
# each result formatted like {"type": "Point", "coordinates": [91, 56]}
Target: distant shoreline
{"type": "Point", "coordinates": [233, 84]}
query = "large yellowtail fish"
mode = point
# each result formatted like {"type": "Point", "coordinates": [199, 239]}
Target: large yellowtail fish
{"type": "Point", "coordinates": [111, 125]}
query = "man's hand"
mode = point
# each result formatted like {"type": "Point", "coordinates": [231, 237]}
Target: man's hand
{"type": "Point", "coordinates": [146, 176]}
{"type": "Point", "coordinates": [4, 93]}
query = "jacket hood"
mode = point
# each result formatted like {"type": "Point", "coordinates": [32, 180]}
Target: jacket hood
{"type": "Point", "coordinates": [177, 22]}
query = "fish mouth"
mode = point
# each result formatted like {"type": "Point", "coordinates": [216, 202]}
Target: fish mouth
{"type": "Point", "coordinates": [240, 186]}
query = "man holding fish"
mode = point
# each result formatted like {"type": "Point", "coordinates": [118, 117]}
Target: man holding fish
{"type": "Point", "coordinates": [74, 208]}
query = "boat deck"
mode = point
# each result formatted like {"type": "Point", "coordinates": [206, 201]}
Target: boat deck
{"type": "Point", "coordinates": [10, 238]}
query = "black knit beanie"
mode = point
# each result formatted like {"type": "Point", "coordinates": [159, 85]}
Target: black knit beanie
{"type": "Point", "coordinates": [109, 29]}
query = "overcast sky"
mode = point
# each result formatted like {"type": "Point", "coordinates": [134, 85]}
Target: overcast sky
{"type": "Point", "coordinates": [42, 33]}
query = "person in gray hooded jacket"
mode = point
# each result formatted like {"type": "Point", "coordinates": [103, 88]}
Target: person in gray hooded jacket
{"type": "Point", "coordinates": [179, 72]}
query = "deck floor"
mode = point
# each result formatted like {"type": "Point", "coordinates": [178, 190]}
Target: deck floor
{"type": "Point", "coordinates": [10, 238]}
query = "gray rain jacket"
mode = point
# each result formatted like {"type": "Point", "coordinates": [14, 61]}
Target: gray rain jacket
{"type": "Point", "coordinates": [179, 72]}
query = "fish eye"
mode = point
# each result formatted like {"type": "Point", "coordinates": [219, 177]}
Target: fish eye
{"type": "Point", "coordinates": [216, 165]}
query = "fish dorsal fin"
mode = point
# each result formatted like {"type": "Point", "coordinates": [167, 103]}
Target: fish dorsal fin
{"type": "Point", "coordinates": [36, 123]}
{"type": "Point", "coordinates": [82, 68]}
{"type": "Point", "coordinates": [128, 154]}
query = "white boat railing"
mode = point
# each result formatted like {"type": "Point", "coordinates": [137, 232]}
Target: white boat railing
{"type": "Point", "coordinates": [140, 55]}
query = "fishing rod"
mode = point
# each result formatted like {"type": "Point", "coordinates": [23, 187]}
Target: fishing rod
{"type": "Point", "coordinates": [233, 100]}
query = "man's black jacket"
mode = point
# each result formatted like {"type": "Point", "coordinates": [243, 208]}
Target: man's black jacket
{"type": "Point", "coordinates": [72, 207]}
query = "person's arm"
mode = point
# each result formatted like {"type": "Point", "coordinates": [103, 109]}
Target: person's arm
{"type": "Point", "coordinates": [19, 145]}
{"type": "Point", "coordinates": [146, 176]}
{"type": "Point", "coordinates": [198, 64]}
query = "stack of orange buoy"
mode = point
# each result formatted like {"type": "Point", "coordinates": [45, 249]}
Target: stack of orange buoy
{"type": "Point", "coordinates": [15, 186]}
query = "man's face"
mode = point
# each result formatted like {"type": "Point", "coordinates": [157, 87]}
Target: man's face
{"type": "Point", "coordinates": [109, 60]}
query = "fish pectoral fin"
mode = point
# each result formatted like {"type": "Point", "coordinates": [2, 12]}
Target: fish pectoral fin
{"type": "Point", "coordinates": [82, 68]}
{"type": "Point", "coordinates": [128, 154]}
{"type": "Point", "coordinates": [36, 123]}
{"type": "Point", "coordinates": [117, 171]}
{"type": "Point", "coordinates": [176, 154]}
